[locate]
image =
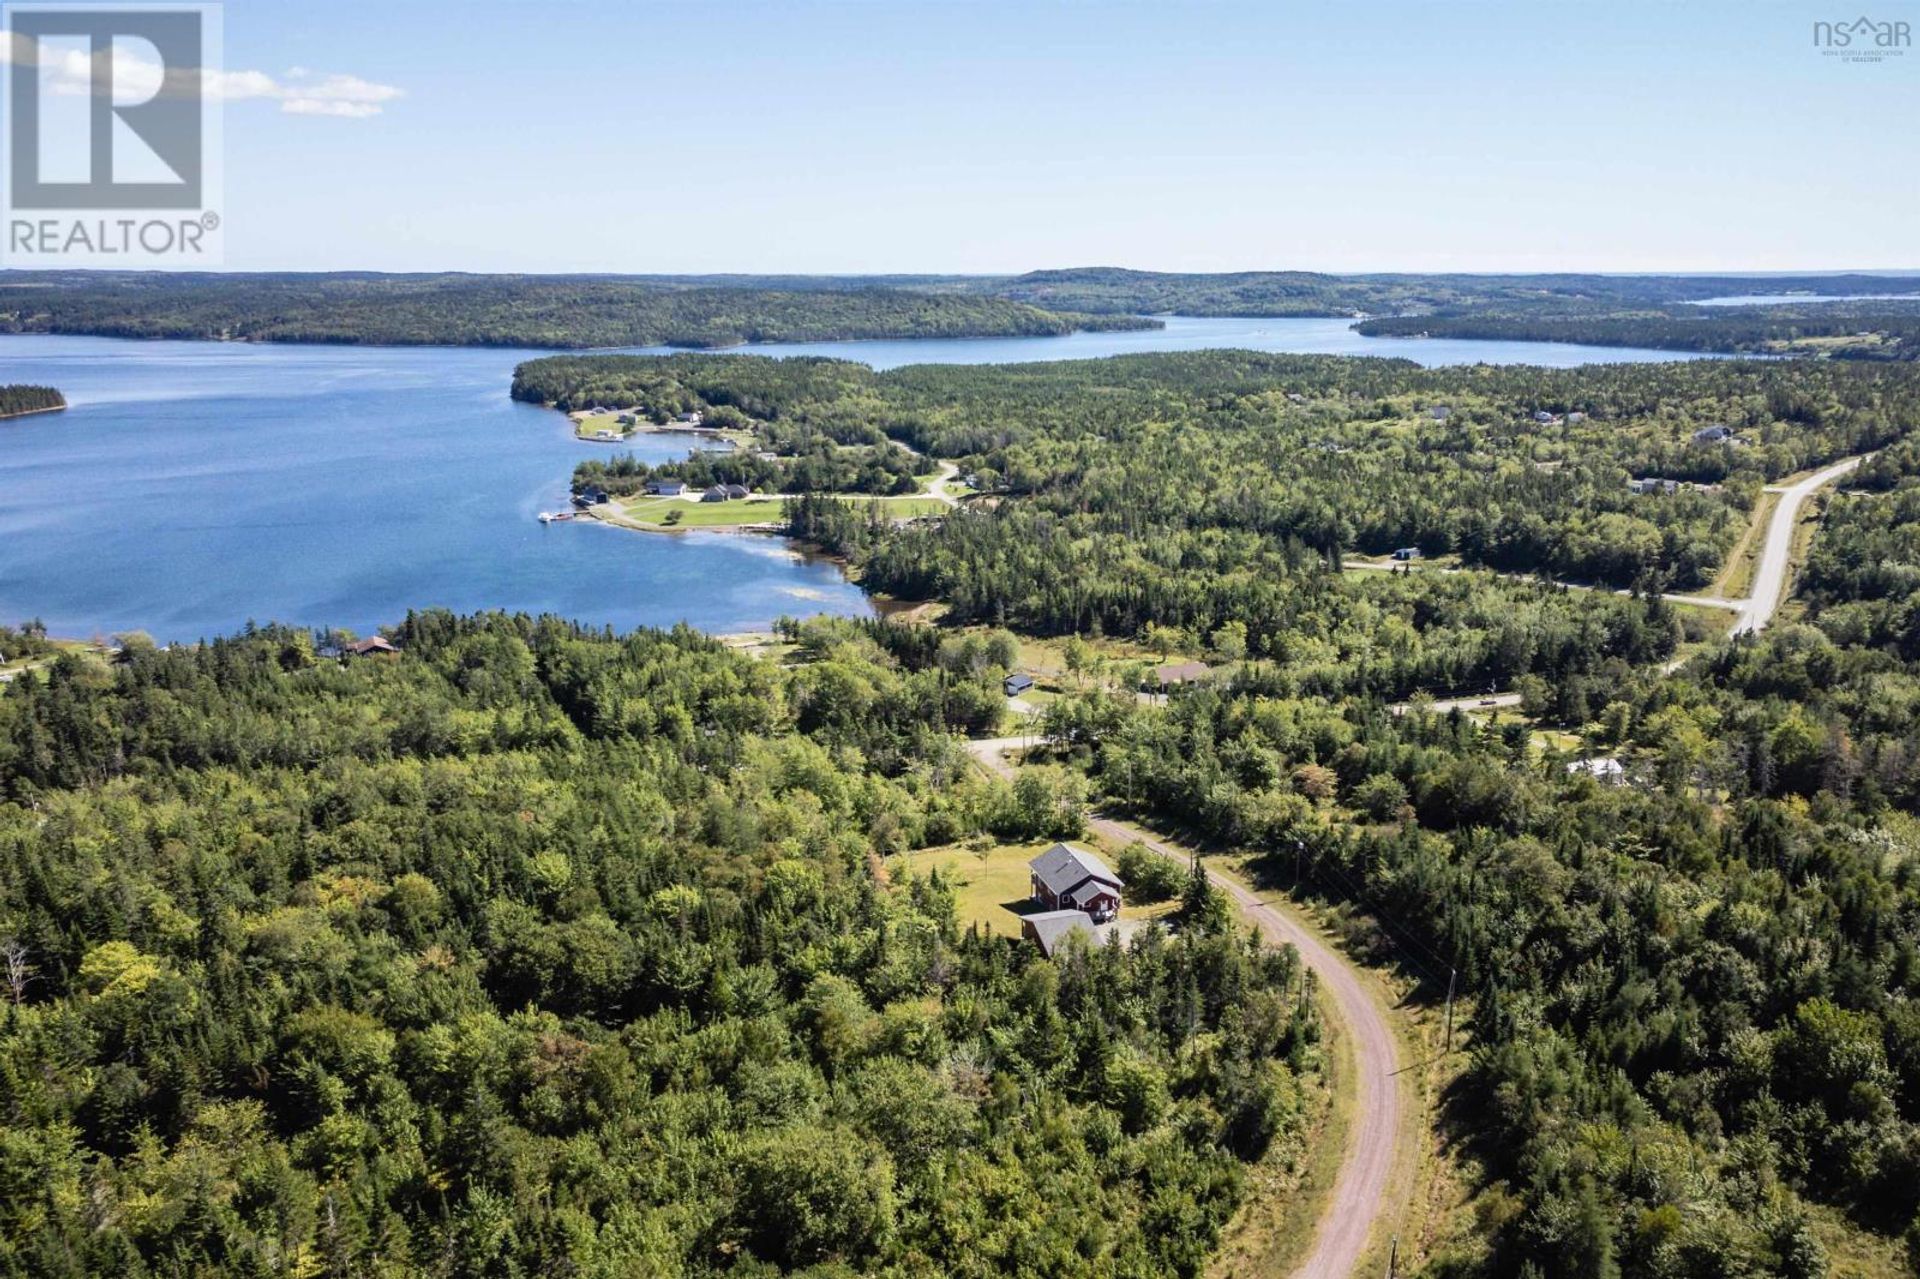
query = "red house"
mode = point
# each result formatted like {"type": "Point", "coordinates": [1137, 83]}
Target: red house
{"type": "Point", "coordinates": [1069, 878]}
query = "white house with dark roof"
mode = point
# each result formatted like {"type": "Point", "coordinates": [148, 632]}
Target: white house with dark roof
{"type": "Point", "coordinates": [1069, 878]}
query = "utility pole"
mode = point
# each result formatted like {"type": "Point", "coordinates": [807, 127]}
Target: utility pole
{"type": "Point", "coordinates": [1393, 1258]}
{"type": "Point", "coordinates": [1451, 973]}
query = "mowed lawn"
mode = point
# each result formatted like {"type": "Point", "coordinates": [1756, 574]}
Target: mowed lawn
{"type": "Point", "coordinates": [756, 510]}
{"type": "Point", "coordinates": [584, 427]}
{"type": "Point", "coordinates": [993, 888]}
{"type": "Point", "coordinates": [697, 514]}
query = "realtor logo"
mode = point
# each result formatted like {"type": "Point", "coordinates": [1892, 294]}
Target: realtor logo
{"type": "Point", "coordinates": [1863, 39]}
{"type": "Point", "coordinates": [109, 135]}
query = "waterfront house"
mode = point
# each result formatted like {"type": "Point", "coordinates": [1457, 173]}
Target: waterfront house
{"type": "Point", "coordinates": [663, 487]}
{"type": "Point", "coordinates": [735, 491]}
{"type": "Point", "coordinates": [1069, 878]}
{"type": "Point", "coordinates": [718, 493]}
{"type": "Point", "coordinates": [370, 646]}
{"type": "Point", "coordinates": [688, 419]}
{"type": "Point", "coordinates": [1047, 929]}
{"type": "Point", "coordinates": [1017, 684]}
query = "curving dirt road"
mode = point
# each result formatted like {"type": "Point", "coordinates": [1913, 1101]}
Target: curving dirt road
{"type": "Point", "coordinates": [1359, 1196]}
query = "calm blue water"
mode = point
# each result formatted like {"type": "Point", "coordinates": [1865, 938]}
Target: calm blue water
{"type": "Point", "coordinates": [195, 486]}
{"type": "Point", "coordinates": [1777, 299]}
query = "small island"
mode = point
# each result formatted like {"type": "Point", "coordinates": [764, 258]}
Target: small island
{"type": "Point", "coordinates": [21, 400]}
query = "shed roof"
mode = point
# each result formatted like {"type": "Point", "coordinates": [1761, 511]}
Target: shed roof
{"type": "Point", "coordinates": [1182, 672]}
{"type": "Point", "coordinates": [1050, 927]}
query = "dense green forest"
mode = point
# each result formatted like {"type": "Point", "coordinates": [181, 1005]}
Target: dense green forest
{"type": "Point", "coordinates": [499, 310]}
{"type": "Point", "coordinates": [1213, 490]}
{"type": "Point", "coordinates": [534, 951]}
{"type": "Point", "coordinates": [1694, 992]}
{"type": "Point", "coordinates": [1857, 330]}
{"type": "Point", "coordinates": [17, 399]}
{"type": "Point", "coordinates": [884, 470]}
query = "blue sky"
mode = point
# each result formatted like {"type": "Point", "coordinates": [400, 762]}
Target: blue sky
{"type": "Point", "coordinates": [882, 136]}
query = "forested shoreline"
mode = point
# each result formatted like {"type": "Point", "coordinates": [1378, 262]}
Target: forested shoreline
{"type": "Point", "coordinates": [704, 311]}
{"type": "Point", "coordinates": [1192, 492]}
{"type": "Point", "coordinates": [482, 310]}
{"type": "Point", "coordinates": [17, 400]}
{"type": "Point", "coordinates": [1853, 330]}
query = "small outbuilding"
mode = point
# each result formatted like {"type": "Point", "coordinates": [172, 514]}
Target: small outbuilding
{"type": "Point", "coordinates": [662, 487]}
{"type": "Point", "coordinates": [1406, 553]}
{"type": "Point", "coordinates": [1017, 684]}
{"type": "Point", "coordinates": [1047, 929]}
{"type": "Point", "coordinates": [1181, 673]}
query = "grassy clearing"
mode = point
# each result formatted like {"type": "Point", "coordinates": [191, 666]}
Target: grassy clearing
{"type": "Point", "coordinates": [656, 512]}
{"type": "Point", "coordinates": [1736, 577]}
{"type": "Point", "coordinates": [992, 886]}
{"type": "Point", "coordinates": [1855, 1253]}
{"type": "Point", "coordinates": [589, 425]}
{"type": "Point", "coordinates": [18, 664]}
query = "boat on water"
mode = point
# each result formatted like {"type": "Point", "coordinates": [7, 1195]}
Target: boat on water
{"type": "Point", "coordinates": [549, 517]}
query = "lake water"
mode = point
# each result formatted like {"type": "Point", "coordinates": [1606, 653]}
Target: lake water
{"type": "Point", "coordinates": [1781, 299]}
{"type": "Point", "coordinates": [194, 486]}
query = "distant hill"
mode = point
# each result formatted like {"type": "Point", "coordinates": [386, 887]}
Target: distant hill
{"type": "Point", "coordinates": [502, 310]}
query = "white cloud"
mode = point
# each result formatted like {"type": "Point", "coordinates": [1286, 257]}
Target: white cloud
{"type": "Point", "coordinates": [136, 79]}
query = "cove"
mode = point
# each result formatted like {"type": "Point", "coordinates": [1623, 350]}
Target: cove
{"type": "Point", "coordinates": [192, 487]}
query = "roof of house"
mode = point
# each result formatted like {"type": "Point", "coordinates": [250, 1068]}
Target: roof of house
{"type": "Point", "coordinates": [372, 644]}
{"type": "Point", "coordinates": [1019, 682]}
{"type": "Point", "coordinates": [1604, 767]}
{"type": "Point", "coordinates": [1181, 672]}
{"type": "Point", "coordinates": [1064, 868]}
{"type": "Point", "coordinates": [1050, 927]}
